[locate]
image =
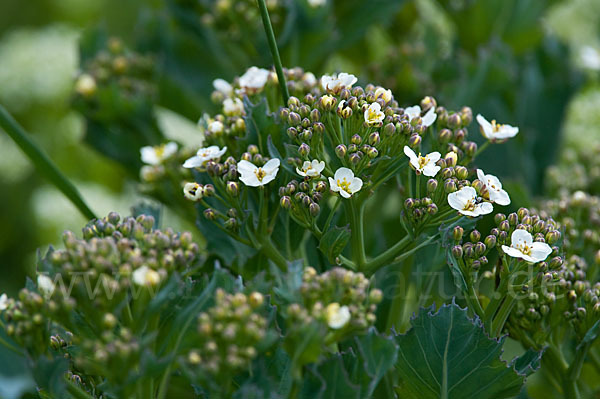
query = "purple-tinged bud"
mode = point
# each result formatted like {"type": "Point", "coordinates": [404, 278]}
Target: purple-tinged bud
{"type": "Point", "coordinates": [469, 251]}
{"type": "Point", "coordinates": [447, 173]}
{"type": "Point", "coordinates": [454, 121]}
{"type": "Point", "coordinates": [522, 212]}
{"type": "Point", "coordinates": [427, 103]}
{"type": "Point", "coordinates": [318, 128]}
{"type": "Point", "coordinates": [314, 209]}
{"type": "Point", "coordinates": [475, 236]}
{"type": "Point", "coordinates": [304, 186]}
{"type": "Point", "coordinates": [210, 214]}
{"type": "Point", "coordinates": [513, 219]}
{"type": "Point", "coordinates": [555, 262]}
{"type": "Point", "coordinates": [315, 115]}
{"type": "Point", "coordinates": [374, 139]}
{"type": "Point", "coordinates": [233, 188]}
{"type": "Point", "coordinates": [490, 241]}
{"type": "Point", "coordinates": [304, 150]}
{"type": "Point", "coordinates": [449, 186]}
{"type": "Point", "coordinates": [499, 218]}
{"type": "Point", "coordinates": [309, 99]}
{"type": "Point", "coordinates": [457, 233]}
{"type": "Point", "coordinates": [432, 185]}
{"type": "Point", "coordinates": [480, 248]}
{"type": "Point", "coordinates": [466, 114]}
{"type": "Point", "coordinates": [432, 209]}
{"type": "Point", "coordinates": [470, 148]}
{"type": "Point", "coordinates": [414, 141]}
{"type": "Point", "coordinates": [294, 119]}
{"type": "Point", "coordinates": [231, 224]}
{"type": "Point", "coordinates": [552, 237]}
{"type": "Point", "coordinates": [356, 139]}
{"type": "Point", "coordinates": [389, 129]}
{"type": "Point", "coordinates": [476, 265]}
{"type": "Point", "coordinates": [409, 203]}
{"type": "Point", "coordinates": [341, 151]}
{"type": "Point", "coordinates": [209, 190]}
{"type": "Point", "coordinates": [372, 153]}
{"type": "Point", "coordinates": [321, 187]}
{"type": "Point", "coordinates": [304, 110]}
{"type": "Point", "coordinates": [461, 172]}
{"type": "Point", "coordinates": [459, 136]}
{"type": "Point", "coordinates": [445, 136]}
{"type": "Point", "coordinates": [457, 251]}
{"type": "Point", "coordinates": [292, 132]}
{"type": "Point", "coordinates": [284, 114]}
{"type": "Point", "coordinates": [293, 101]}
{"type": "Point", "coordinates": [306, 201]}
{"type": "Point", "coordinates": [483, 260]}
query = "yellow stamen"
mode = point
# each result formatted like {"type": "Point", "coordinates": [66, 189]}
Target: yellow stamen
{"type": "Point", "coordinates": [496, 126]}
{"type": "Point", "coordinates": [344, 185]}
{"type": "Point", "coordinates": [260, 174]}
{"type": "Point", "coordinates": [470, 205]}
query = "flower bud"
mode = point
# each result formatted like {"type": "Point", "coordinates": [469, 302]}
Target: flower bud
{"type": "Point", "coordinates": [480, 248]}
{"type": "Point", "coordinates": [233, 188]}
{"type": "Point", "coordinates": [457, 251]}
{"type": "Point", "coordinates": [304, 150]}
{"type": "Point", "coordinates": [445, 136]}
{"type": "Point", "coordinates": [231, 224]}
{"type": "Point", "coordinates": [552, 237]}
{"type": "Point", "coordinates": [356, 157]}
{"type": "Point", "coordinates": [210, 214]}
{"type": "Point", "coordinates": [432, 185]}
{"type": "Point", "coordinates": [450, 159]}
{"type": "Point", "coordinates": [294, 119]}
{"type": "Point", "coordinates": [461, 172]}
{"type": "Point", "coordinates": [457, 233]}
{"type": "Point", "coordinates": [374, 139]}
{"type": "Point", "coordinates": [555, 262]}
{"type": "Point", "coordinates": [375, 296]}
{"type": "Point", "coordinates": [414, 141]}
{"type": "Point", "coordinates": [432, 209]}
{"type": "Point", "coordinates": [314, 209]}
{"type": "Point", "coordinates": [470, 148]}
{"type": "Point", "coordinates": [499, 218]}
{"type": "Point", "coordinates": [449, 186]}
{"type": "Point", "coordinates": [292, 132]}
{"type": "Point", "coordinates": [475, 236]}
{"type": "Point", "coordinates": [454, 121]}
{"type": "Point", "coordinates": [466, 114]}
{"type": "Point", "coordinates": [389, 129]}
{"type": "Point", "coordinates": [513, 219]}
{"type": "Point", "coordinates": [490, 241]}
{"type": "Point", "coordinates": [341, 151]}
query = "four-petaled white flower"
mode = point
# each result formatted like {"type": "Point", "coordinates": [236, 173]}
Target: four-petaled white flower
{"type": "Point", "coordinates": [253, 176]}
{"type": "Point", "coordinates": [345, 183]}
{"type": "Point", "coordinates": [374, 115]}
{"type": "Point", "coordinates": [311, 169]}
{"type": "Point", "coordinates": [3, 302]}
{"type": "Point", "coordinates": [254, 79]}
{"type": "Point", "coordinates": [223, 86]}
{"type": "Point", "coordinates": [204, 155]}
{"type": "Point", "coordinates": [426, 164]}
{"type": "Point", "coordinates": [465, 202]}
{"type": "Point", "coordinates": [144, 276]}
{"type": "Point", "coordinates": [334, 83]}
{"type": "Point", "coordinates": [193, 191]}
{"type": "Point", "coordinates": [494, 188]}
{"type": "Point", "coordinates": [523, 247]}
{"type": "Point", "coordinates": [384, 94]}
{"type": "Point", "coordinates": [494, 131]}
{"type": "Point", "coordinates": [233, 107]}
{"type": "Point", "coordinates": [156, 155]}
{"type": "Point", "coordinates": [415, 111]}
{"type": "Point", "coordinates": [337, 316]}
{"type": "Point", "coordinates": [45, 285]}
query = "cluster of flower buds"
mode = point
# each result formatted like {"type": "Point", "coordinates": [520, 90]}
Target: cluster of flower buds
{"type": "Point", "coordinates": [579, 214]}
{"type": "Point", "coordinates": [339, 298]}
{"type": "Point", "coordinates": [578, 170]}
{"type": "Point", "coordinates": [229, 333]}
{"type": "Point", "coordinates": [113, 258]}
{"type": "Point", "coordinates": [25, 321]}
{"type": "Point", "coordinates": [116, 68]}
{"type": "Point", "coordinates": [302, 199]}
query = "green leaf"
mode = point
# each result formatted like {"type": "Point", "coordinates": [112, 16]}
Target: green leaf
{"type": "Point", "coordinates": [274, 153]}
{"type": "Point", "coordinates": [591, 335]}
{"type": "Point", "coordinates": [447, 355]}
{"type": "Point", "coordinates": [334, 241]}
{"type": "Point", "coordinates": [330, 381]}
{"type": "Point", "coordinates": [378, 354]}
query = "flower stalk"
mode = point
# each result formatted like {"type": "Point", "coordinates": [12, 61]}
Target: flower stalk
{"type": "Point", "coordinates": [264, 14]}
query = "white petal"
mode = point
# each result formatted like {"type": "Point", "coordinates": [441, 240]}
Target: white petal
{"type": "Point", "coordinates": [250, 179]}
{"type": "Point", "coordinates": [342, 173]}
{"type": "Point", "coordinates": [507, 132]}
{"type": "Point", "coordinates": [431, 169]}
{"type": "Point", "coordinates": [246, 167]}
{"type": "Point", "coordinates": [484, 208]}
{"type": "Point", "coordinates": [3, 302]}
{"type": "Point", "coordinates": [345, 194]}
{"type": "Point", "coordinates": [170, 149]}
{"type": "Point", "coordinates": [500, 197]}
{"type": "Point", "coordinates": [193, 162]}
{"type": "Point", "coordinates": [149, 155]}
{"type": "Point", "coordinates": [223, 86]}
{"type": "Point", "coordinates": [333, 185]}
{"type": "Point", "coordinates": [467, 193]}
{"type": "Point", "coordinates": [520, 237]}
{"type": "Point", "coordinates": [486, 126]}
{"type": "Point", "coordinates": [272, 166]}
{"type": "Point", "coordinates": [414, 159]}
{"type": "Point", "coordinates": [481, 176]}
{"type": "Point", "coordinates": [514, 252]}
{"type": "Point", "coordinates": [300, 172]}
{"type": "Point", "coordinates": [540, 251]}
{"type": "Point", "coordinates": [429, 117]}
{"type": "Point", "coordinates": [268, 178]}
{"type": "Point", "coordinates": [434, 156]}
{"type": "Point", "coordinates": [413, 112]}
{"type": "Point", "coordinates": [455, 201]}
{"type": "Point", "coordinates": [356, 184]}
{"type": "Point", "coordinates": [318, 166]}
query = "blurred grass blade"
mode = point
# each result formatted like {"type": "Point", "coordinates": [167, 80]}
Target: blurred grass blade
{"type": "Point", "coordinates": [264, 13]}
{"type": "Point", "coordinates": [41, 161]}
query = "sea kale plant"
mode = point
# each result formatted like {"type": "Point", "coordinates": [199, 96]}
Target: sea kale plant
{"type": "Point", "coordinates": [329, 212]}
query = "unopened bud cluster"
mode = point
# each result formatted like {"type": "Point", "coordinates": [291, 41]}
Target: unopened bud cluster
{"type": "Point", "coordinates": [228, 334]}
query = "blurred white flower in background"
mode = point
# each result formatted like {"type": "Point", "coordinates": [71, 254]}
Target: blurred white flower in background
{"type": "Point", "coordinates": [317, 3]}
{"type": "Point", "coordinates": [589, 58]}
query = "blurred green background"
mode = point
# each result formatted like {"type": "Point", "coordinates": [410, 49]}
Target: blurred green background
{"type": "Point", "coordinates": [530, 63]}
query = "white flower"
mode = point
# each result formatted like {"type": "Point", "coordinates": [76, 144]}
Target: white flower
{"type": "Point", "coordinates": [494, 188]}
{"type": "Point", "coordinates": [384, 94]}
{"type": "Point", "coordinates": [3, 302]}
{"type": "Point", "coordinates": [345, 183]}
{"type": "Point", "coordinates": [253, 176]}
{"type": "Point", "coordinates": [317, 3]}
{"type": "Point", "coordinates": [85, 85]}
{"type": "Point", "coordinates": [426, 164]}
{"type": "Point", "coordinates": [45, 285]}
{"type": "Point", "coordinates": [233, 107]}
{"type": "Point", "coordinates": [415, 111]}
{"type": "Point", "coordinates": [145, 276]}
{"type": "Point", "coordinates": [309, 79]}
{"type": "Point", "coordinates": [216, 127]}
{"type": "Point", "coordinates": [193, 191]}
{"type": "Point", "coordinates": [337, 316]}
{"type": "Point", "coordinates": [523, 247]}
{"type": "Point", "coordinates": [156, 155]}
{"type": "Point", "coordinates": [311, 169]}
{"type": "Point", "coordinates": [374, 115]}
{"type": "Point", "coordinates": [335, 83]}
{"type": "Point", "coordinates": [590, 58]}
{"type": "Point", "coordinates": [495, 131]}
{"type": "Point", "coordinates": [223, 87]}
{"type": "Point", "coordinates": [204, 155]}
{"type": "Point", "coordinates": [254, 79]}
{"type": "Point", "coordinates": [465, 202]}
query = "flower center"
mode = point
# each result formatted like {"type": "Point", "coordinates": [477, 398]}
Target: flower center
{"type": "Point", "coordinates": [260, 174]}
{"type": "Point", "coordinates": [470, 205]}
{"type": "Point", "coordinates": [194, 189]}
{"type": "Point", "coordinates": [159, 151]}
{"type": "Point", "coordinates": [496, 126]}
{"type": "Point", "coordinates": [423, 161]}
{"type": "Point", "coordinates": [344, 185]}
{"type": "Point", "coordinates": [524, 248]}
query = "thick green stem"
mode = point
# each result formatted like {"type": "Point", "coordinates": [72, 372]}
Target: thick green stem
{"type": "Point", "coordinates": [503, 313]}
{"type": "Point", "coordinates": [355, 214]}
{"type": "Point", "coordinates": [264, 13]}
{"type": "Point", "coordinates": [272, 253]}
{"type": "Point", "coordinates": [43, 163]}
{"type": "Point", "coordinates": [387, 256]}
